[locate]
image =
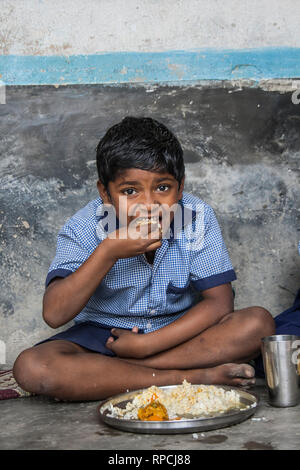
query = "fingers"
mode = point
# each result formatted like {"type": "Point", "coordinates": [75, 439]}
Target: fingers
{"type": "Point", "coordinates": [154, 241]}
{"type": "Point", "coordinates": [153, 246]}
{"type": "Point", "coordinates": [116, 331]}
{"type": "Point", "coordinates": [148, 232]}
{"type": "Point", "coordinates": [119, 331]}
{"type": "Point", "coordinates": [109, 342]}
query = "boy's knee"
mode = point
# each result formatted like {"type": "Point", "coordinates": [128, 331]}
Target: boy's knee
{"type": "Point", "coordinates": [34, 374]}
{"type": "Point", "coordinates": [263, 321]}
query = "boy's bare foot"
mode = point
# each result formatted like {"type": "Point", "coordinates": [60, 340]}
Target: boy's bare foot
{"type": "Point", "coordinates": [238, 375]}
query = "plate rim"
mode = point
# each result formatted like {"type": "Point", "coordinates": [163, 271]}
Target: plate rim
{"type": "Point", "coordinates": [176, 423]}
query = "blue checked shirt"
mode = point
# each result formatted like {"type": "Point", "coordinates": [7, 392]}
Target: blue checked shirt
{"type": "Point", "coordinates": [134, 292]}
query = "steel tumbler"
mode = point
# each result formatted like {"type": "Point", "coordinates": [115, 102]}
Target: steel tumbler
{"type": "Point", "coordinates": [280, 359]}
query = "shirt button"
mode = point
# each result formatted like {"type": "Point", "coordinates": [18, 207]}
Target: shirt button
{"type": "Point", "coordinates": [152, 311]}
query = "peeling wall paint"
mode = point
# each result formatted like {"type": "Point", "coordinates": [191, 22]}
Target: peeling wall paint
{"type": "Point", "coordinates": [161, 67]}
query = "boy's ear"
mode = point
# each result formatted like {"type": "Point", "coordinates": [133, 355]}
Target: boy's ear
{"type": "Point", "coordinates": [103, 192]}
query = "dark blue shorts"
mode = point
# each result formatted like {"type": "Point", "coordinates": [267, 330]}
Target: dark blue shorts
{"type": "Point", "coordinates": [89, 334]}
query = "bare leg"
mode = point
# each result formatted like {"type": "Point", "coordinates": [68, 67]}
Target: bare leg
{"type": "Point", "coordinates": [235, 339]}
{"type": "Point", "coordinates": [64, 370]}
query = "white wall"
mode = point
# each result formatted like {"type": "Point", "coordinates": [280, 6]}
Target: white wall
{"type": "Point", "coordinates": [68, 27]}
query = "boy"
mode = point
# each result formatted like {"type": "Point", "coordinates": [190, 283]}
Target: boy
{"type": "Point", "coordinates": [131, 288]}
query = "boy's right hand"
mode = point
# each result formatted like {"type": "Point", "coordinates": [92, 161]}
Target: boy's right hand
{"type": "Point", "coordinates": [132, 241]}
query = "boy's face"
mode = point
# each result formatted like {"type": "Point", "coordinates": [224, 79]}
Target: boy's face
{"type": "Point", "coordinates": [140, 193]}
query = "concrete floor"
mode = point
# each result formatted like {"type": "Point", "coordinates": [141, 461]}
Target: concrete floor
{"type": "Point", "coordinates": [43, 423]}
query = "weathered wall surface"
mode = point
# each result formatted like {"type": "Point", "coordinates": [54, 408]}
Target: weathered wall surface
{"type": "Point", "coordinates": [72, 71]}
{"type": "Point", "coordinates": [242, 157]}
{"type": "Point", "coordinates": [43, 27]}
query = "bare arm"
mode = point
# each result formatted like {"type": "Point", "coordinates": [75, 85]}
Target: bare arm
{"type": "Point", "coordinates": [65, 298]}
{"type": "Point", "coordinates": [216, 303]}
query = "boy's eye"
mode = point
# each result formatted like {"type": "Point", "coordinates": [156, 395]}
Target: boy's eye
{"type": "Point", "coordinates": [128, 191]}
{"type": "Point", "coordinates": [131, 191]}
{"type": "Point", "coordinates": [164, 186]}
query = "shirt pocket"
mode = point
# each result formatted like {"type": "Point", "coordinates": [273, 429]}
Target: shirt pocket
{"type": "Point", "coordinates": [175, 290]}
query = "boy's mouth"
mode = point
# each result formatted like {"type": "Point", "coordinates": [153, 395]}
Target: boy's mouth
{"type": "Point", "coordinates": [146, 220]}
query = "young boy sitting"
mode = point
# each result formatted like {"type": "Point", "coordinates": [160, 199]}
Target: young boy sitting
{"type": "Point", "coordinates": [131, 288]}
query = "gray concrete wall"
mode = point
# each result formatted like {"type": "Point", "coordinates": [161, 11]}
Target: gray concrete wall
{"type": "Point", "coordinates": [241, 148]}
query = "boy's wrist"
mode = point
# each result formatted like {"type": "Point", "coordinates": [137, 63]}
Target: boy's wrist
{"type": "Point", "coordinates": [150, 344]}
{"type": "Point", "coordinates": [142, 345]}
{"type": "Point", "coordinates": [107, 249]}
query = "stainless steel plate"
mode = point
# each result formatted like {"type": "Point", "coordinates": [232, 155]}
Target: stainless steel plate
{"type": "Point", "coordinates": [248, 400]}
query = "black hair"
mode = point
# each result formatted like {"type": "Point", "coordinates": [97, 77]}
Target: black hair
{"type": "Point", "coordinates": [139, 142]}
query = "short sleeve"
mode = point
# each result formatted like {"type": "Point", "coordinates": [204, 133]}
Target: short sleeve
{"type": "Point", "coordinates": [71, 252]}
{"type": "Point", "coordinates": [211, 265]}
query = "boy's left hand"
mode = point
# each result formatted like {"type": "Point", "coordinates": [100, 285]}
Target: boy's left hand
{"type": "Point", "coordinates": [128, 343]}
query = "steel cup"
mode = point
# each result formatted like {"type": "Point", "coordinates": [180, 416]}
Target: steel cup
{"type": "Point", "coordinates": [280, 359]}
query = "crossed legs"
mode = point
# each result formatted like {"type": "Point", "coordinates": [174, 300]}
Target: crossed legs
{"type": "Point", "coordinates": [67, 371]}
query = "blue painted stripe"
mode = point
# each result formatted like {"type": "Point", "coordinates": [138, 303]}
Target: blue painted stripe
{"type": "Point", "coordinates": [158, 67]}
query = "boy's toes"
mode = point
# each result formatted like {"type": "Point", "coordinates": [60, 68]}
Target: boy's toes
{"type": "Point", "coordinates": [238, 382]}
{"type": "Point", "coordinates": [247, 383]}
{"type": "Point", "coordinates": [241, 370]}
{"type": "Point", "coordinates": [240, 375]}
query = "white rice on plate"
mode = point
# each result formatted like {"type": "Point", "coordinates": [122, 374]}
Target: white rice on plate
{"type": "Point", "coordinates": [185, 399]}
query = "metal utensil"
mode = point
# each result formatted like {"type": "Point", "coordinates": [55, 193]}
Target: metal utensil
{"type": "Point", "coordinates": [248, 405]}
{"type": "Point", "coordinates": [280, 354]}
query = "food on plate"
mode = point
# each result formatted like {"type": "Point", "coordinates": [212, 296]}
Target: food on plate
{"type": "Point", "coordinates": [183, 401]}
{"type": "Point", "coordinates": [154, 411]}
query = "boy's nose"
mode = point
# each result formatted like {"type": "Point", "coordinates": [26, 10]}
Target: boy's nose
{"type": "Point", "coordinates": [151, 207]}
{"type": "Point", "coordinates": [148, 198]}
{"type": "Point", "coordinates": [148, 207]}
